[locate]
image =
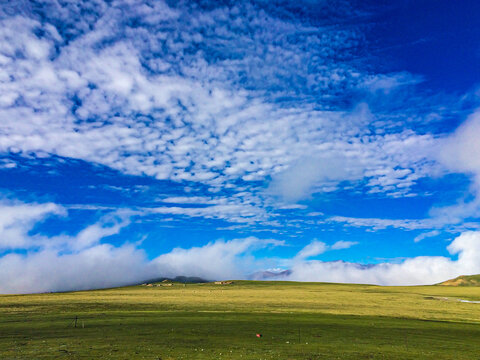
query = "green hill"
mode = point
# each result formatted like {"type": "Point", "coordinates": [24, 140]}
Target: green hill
{"type": "Point", "coordinates": [464, 280]}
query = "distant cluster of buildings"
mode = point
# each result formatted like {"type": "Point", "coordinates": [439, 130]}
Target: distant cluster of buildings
{"type": "Point", "coordinates": [167, 282]}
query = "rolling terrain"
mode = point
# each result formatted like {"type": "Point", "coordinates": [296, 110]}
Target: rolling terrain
{"type": "Point", "coordinates": [214, 321]}
{"type": "Point", "coordinates": [464, 280]}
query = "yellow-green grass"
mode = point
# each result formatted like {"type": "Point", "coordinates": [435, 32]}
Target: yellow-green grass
{"type": "Point", "coordinates": [207, 321]}
{"type": "Point", "coordinates": [464, 280]}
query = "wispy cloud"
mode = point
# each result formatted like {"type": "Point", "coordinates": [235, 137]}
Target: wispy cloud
{"type": "Point", "coordinates": [425, 235]}
{"type": "Point", "coordinates": [17, 219]}
{"type": "Point", "coordinates": [318, 247]}
{"type": "Point", "coordinates": [378, 224]}
{"type": "Point", "coordinates": [248, 113]}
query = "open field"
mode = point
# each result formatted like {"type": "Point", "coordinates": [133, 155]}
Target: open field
{"type": "Point", "coordinates": [207, 321]}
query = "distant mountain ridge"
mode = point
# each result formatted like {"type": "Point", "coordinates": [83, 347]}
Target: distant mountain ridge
{"type": "Point", "coordinates": [265, 275]}
{"type": "Point", "coordinates": [181, 279]}
{"type": "Point", "coordinates": [463, 280]}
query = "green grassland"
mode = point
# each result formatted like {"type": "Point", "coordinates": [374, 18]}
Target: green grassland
{"type": "Point", "coordinates": [208, 321]}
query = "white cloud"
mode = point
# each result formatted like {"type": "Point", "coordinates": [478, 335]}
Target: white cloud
{"type": "Point", "coordinates": [299, 180]}
{"type": "Point", "coordinates": [64, 262]}
{"type": "Point", "coordinates": [425, 235]}
{"type": "Point", "coordinates": [379, 224]}
{"type": "Point", "coordinates": [215, 97]}
{"type": "Point", "coordinates": [99, 266]}
{"type": "Point", "coordinates": [313, 249]}
{"type": "Point", "coordinates": [17, 219]}
{"type": "Point", "coordinates": [318, 247]}
{"type": "Point", "coordinates": [413, 271]}
{"type": "Point", "coordinates": [80, 261]}
{"type": "Point", "coordinates": [103, 97]}
{"type": "Point", "coordinates": [216, 260]}
{"type": "Point", "coordinates": [440, 219]}
{"type": "Point", "coordinates": [341, 244]}
{"type": "Point", "coordinates": [386, 83]}
{"type": "Point", "coordinates": [459, 151]}
{"type": "Point", "coordinates": [189, 200]}
{"type": "Point", "coordinates": [242, 213]}
{"type": "Point", "coordinates": [107, 225]}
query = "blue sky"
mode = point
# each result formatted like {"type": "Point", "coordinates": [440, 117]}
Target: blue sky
{"type": "Point", "coordinates": [334, 139]}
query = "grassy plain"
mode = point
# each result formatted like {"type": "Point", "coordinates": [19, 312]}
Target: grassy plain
{"type": "Point", "coordinates": [207, 321]}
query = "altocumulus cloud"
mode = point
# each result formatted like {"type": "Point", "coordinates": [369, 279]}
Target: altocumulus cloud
{"type": "Point", "coordinates": [238, 96]}
{"type": "Point", "coordinates": [152, 99]}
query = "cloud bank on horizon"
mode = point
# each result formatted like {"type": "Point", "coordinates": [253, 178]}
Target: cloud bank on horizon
{"type": "Point", "coordinates": [83, 262]}
{"type": "Point", "coordinates": [138, 137]}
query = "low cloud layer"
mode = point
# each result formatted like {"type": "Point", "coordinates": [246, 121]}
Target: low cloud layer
{"type": "Point", "coordinates": [40, 263]}
{"type": "Point", "coordinates": [422, 270]}
{"type": "Point", "coordinates": [216, 260]}
{"type": "Point", "coordinates": [99, 266]}
{"type": "Point", "coordinates": [82, 261]}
